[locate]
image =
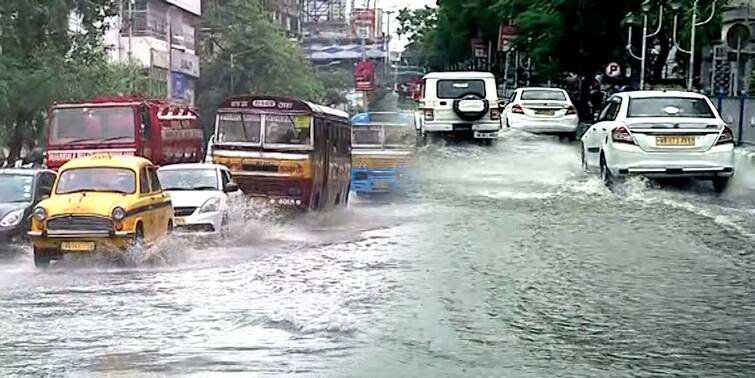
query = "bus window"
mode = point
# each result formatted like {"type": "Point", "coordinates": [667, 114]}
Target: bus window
{"type": "Point", "coordinates": [244, 128]}
{"type": "Point", "coordinates": [287, 129]}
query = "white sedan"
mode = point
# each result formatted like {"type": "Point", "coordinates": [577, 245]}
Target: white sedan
{"type": "Point", "coordinates": [660, 134]}
{"type": "Point", "coordinates": [541, 111]}
{"type": "Point", "coordinates": [201, 195]}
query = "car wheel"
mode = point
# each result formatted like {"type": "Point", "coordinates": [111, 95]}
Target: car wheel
{"type": "Point", "coordinates": [583, 158]}
{"type": "Point", "coordinates": [605, 173]}
{"type": "Point", "coordinates": [225, 227]}
{"type": "Point", "coordinates": [41, 259]}
{"type": "Point", "coordinates": [720, 184]}
{"type": "Point", "coordinates": [138, 240]}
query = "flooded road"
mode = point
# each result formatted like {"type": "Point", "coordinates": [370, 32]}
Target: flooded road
{"type": "Point", "coordinates": [508, 262]}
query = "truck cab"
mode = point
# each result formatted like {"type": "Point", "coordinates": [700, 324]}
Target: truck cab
{"type": "Point", "coordinates": [154, 129]}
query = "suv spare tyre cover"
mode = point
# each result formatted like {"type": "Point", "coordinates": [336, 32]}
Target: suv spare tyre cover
{"type": "Point", "coordinates": [463, 104]}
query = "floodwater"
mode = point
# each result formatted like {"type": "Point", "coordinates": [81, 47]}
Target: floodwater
{"type": "Point", "coordinates": [507, 261]}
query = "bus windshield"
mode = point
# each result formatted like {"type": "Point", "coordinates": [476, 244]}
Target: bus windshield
{"type": "Point", "coordinates": [92, 125]}
{"type": "Point", "coordinates": [282, 129]}
{"type": "Point", "coordinates": [239, 128]}
{"type": "Point", "coordinates": [385, 136]}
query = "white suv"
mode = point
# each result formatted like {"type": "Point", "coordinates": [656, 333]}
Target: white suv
{"type": "Point", "coordinates": [460, 104]}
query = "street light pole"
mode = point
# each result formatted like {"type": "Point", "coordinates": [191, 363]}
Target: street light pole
{"type": "Point", "coordinates": [644, 50]}
{"type": "Point", "coordinates": [233, 69]}
{"type": "Point", "coordinates": [643, 55]}
{"type": "Point", "coordinates": [676, 5]}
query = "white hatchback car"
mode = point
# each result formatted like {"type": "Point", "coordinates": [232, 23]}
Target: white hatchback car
{"type": "Point", "coordinates": [460, 104]}
{"type": "Point", "coordinates": [201, 196]}
{"type": "Point", "coordinates": [541, 111]}
{"type": "Point", "coordinates": [660, 134]}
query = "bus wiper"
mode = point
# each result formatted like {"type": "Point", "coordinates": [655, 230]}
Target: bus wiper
{"type": "Point", "coordinates": [114, 138]}
{"type": "Point", "coordinates": [81, 140]}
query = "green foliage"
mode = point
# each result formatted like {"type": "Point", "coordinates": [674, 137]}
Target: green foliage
{"type": "Point", "coordinates": [44, 60]}
{"type": "Point", "coordinates": [335, 83]}
{"type": "Point", "coordinates": [560, 36]}
{"type": "Point", "coordinates": [264, 61]}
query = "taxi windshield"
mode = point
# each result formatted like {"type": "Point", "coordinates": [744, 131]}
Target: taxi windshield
{"type": "Point", "coordinates": [16, 188]}
{"type": "Point", "coordinates": [92, 125]}
{"type": "Point", "coordinates": [97, 179]}
{"type": "Point", "coordinates": [188, 179]}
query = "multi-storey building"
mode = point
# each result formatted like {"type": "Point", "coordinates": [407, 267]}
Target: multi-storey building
{"type": "Point", "coordinates": [161, 36]}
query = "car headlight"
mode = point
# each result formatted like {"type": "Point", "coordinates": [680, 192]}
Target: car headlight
{"type": "Point", "coordinates": [40, 213]}
{"type": "Point", "coordinates": [118, 213]}
{"type": "Point", "coordinates": [13, 218]}
{"type": "Point", "coordinates": [210, 205]}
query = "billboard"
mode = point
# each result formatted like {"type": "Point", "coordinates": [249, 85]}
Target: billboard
{"type": "Point", "coordinates": [363, 22]}
{"type": "Point", "coordinates": [364, 76]}
{"type": "Point", "coordinates": [185, 63]}
{"type": "Point", "coordinates": [506, 34]}
{"type": "Point", "coordinates": [191, 6]}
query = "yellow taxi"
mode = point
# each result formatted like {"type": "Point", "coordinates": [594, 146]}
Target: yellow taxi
{"type": "Point", "coordinates": [100, 203]}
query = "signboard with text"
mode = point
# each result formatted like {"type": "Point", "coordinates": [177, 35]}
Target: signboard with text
{"type": "Point", "coordinates": [363, 22]}
{"type": "Point", "coordinates": [506, 35]}
{"type": "Point", "coordinates": [184, 63]}
{"type": "Point", "coordinates": [364, 76]}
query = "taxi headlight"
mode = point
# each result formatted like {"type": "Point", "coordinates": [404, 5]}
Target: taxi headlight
{"type": "Point", "coordinates": [40, 213]}
{"type": "Point", "coordinates": [13, 218]}
{"type": "Point", "coordinates": [210, 205]}
{"type": "Point", "coordinates": [119, 213]}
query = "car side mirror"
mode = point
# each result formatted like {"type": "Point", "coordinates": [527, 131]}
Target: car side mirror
{"type": "Point", "coordinates": [231, 187]}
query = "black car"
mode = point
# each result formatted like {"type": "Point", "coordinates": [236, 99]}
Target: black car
{"type": "Point", "coordinates": [20, 191]}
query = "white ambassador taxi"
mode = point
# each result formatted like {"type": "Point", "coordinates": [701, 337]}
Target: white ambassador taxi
{"type": "Point", "coordinates": [201, 196]}
{"type": "Point", "coordinates": [660, 134]}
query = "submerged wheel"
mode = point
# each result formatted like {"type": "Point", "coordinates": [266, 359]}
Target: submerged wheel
{"type": "Point", "coordinates": [583, 157]}
{"type": "Point", "coordinates": [138, 240]}
{"type": "Point", "coordinates": [41, 259]}
{"type": "Point", "coordinates": [605, 173]}
{"type": "Point", "coordinates": [720, 184]}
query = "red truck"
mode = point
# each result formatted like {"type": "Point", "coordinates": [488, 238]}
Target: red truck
{"type": "Point", "coordinates": [151, 128]}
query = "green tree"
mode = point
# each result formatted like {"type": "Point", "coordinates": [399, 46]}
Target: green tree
{"type": "Point", "coordinates": [560, 36]}
{"type": "Point", "coordinates": [43, 60]}
{"type": "Point", "coordinates": [264, 61]}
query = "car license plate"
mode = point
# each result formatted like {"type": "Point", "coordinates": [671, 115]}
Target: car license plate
{"type": "Point", "coordinates": [486, 135]}
{"type": "Point", "coordinates": [180, 221]}
{"type": "Point", "coordinates": [675, 140]}
{"type": "Point", "coordinates": [381, 184]}
{"type": "Point", "coordinates": [77, 246]}
{"type": "Point", "coordinates": [545, 112]}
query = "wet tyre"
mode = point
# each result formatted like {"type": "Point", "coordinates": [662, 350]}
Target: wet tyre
{"type": "Point", "coordinates": [720, 184]}
{"type": "Point", "coordinates": [41, 259]}
{"type": "Point", "coordinates": [605, 174]}
{"type": "Point", "coordinates": [138, 240]}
